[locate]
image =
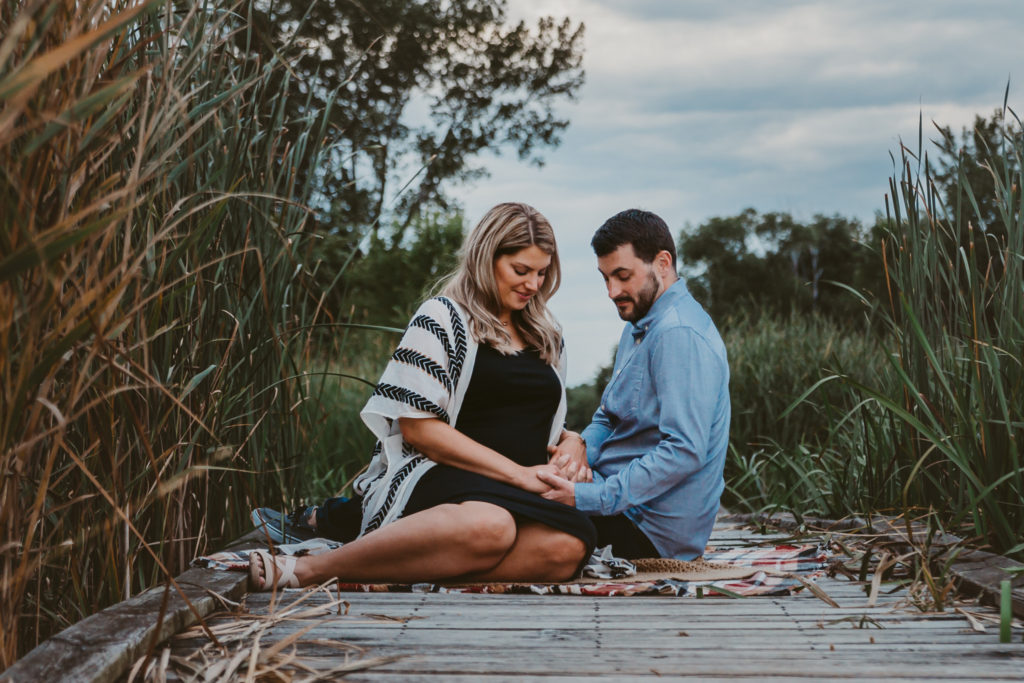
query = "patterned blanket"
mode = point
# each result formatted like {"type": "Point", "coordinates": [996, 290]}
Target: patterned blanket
{"type": "Point", "coordinates": [778, 570]}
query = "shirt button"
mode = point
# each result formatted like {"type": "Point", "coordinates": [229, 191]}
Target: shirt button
{"type": "Point", "coordinates": [602, 406]}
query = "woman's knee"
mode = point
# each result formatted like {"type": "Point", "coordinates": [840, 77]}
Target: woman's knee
{"type": "Point", "coordinates": [564, 554]}
{"type": "Point", "coordinates": [485, 530]}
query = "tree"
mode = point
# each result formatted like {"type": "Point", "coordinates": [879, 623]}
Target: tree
{"type": "Point", "coordinates": [582, 400]}
{"type": "Point", "coordinates": [386, 285]}
{"type": "Point", "coordinates": [974, 175]}
{"type": "Point", "coordinates": [732, 272]}
{"type": "Point", "coordinates": [417, 90]}
{"type": "Point", "coordinates": [772, 262]}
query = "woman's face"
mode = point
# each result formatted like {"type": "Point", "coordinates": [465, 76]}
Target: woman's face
{"type": "Point", "coordinates": [519, 277]}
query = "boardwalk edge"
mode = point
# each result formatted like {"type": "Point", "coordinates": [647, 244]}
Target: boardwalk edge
{"type": "Point", "coordinates": [103, 646]}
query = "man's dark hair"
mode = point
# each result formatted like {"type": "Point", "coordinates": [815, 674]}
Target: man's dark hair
{"type": "Point", "coordinates": [646, 231]}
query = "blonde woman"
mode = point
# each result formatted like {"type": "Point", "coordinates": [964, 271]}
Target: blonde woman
{"type": "Point", "coordinates": [466, 414]}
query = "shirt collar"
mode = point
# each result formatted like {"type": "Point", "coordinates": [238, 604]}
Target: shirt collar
{"type": "Point", "coordinates": [661, 304]}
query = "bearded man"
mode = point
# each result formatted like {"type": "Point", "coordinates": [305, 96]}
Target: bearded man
{"type": "Point", "coordinates": [657, 444]}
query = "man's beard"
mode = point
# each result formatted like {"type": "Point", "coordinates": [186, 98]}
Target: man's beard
{"type": "Point", "coordinates": [643, 301]}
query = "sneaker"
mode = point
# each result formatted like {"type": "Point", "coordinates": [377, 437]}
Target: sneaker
{"type": "Point", "coordinates": [291, 528]}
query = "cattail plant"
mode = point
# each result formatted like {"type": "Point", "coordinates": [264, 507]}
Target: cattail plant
{"type": "Point", "coordinates": [933, 418]}
{"type": "Point", "coordinates": [940, 429]}
{"type": "Point", "coordinates": [956, 313]}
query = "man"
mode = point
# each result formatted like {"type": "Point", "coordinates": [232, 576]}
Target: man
{"type": "Point", "coordinates": [657, 444]}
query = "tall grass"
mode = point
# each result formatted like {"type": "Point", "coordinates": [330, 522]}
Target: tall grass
{"type": "Point", "coordinates": [786, 456]}
{"type": "Point", "coordinates": [940, 424]}
{"type": "Point", "coordinates": [336, 388]}
{"type": "Point", "coordinates": [153, 316]}
{"type": "Point", "coordinates": [956, 313]}
{"type": "Point", "coordinates": [773, 360]}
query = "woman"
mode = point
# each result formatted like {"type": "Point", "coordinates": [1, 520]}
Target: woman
{"type": "Point", "coordinates": [466, 413]}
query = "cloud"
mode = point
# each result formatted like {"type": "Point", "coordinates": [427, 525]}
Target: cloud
{"type": "Point", "coordinates": [806, 54]}
{"type": "Point", "coordinates": [699, 108]}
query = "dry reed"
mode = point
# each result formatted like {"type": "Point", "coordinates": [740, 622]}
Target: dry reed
{"type": "Point", "coordinates": [152, 297]}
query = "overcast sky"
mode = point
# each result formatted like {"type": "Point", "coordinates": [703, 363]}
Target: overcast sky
{"type": "Point", "coordinates": [695, 109]}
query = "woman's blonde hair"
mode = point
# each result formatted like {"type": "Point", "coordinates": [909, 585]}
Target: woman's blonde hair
{"type": "Point", "coordinates": [506, 229]}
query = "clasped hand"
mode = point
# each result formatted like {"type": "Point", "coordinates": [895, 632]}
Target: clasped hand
{"type": "Point", "coordinates": [547, 480]}
{"type": "Point", "coordinates": [570, 457]}
{"type": "Point", "coordinates": [532, 478]}
{"type": "Point", "coordinates": [567, 465]}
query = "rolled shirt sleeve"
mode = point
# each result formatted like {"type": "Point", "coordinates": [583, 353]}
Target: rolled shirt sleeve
{"type": "Point", "coordinates": [596, 432]}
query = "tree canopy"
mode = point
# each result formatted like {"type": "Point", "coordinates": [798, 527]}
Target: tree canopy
{"type": "Point", "coordinates": [385, 286]}
{"type": "Point", "coordinates": [416, 90]}
{"type": "Point", "coordinates": [773, 262]}
{"type": "Point", "coordinates": [974, 173]}
{"type": "Point", "coordinates": [976, 168]}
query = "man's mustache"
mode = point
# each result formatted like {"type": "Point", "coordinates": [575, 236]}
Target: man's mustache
{"type": "Point", "coordinates": [623, 299]}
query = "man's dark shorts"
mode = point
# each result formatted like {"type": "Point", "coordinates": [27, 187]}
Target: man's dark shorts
{"type": "Point", "coordinates": [625, 538]}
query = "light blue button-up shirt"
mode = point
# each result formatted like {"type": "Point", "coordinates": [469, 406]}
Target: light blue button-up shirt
{"type": "Point", "coordinates": [657, 444]}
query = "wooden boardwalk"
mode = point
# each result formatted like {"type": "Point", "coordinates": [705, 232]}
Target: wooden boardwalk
{"type": "Point", "coordinates": [472, 637]}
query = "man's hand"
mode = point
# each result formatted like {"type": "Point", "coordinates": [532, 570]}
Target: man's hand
{"type": "Point", "coordinates": [562, 490]}
{"type": "Point", "coordinates": [570, 457]}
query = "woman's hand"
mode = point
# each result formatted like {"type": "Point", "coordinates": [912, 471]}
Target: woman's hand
{"type": "Point", "coordinates": [570, 457]}
{"type": "Point", "coordinates": [444, 444]}
{"type": "Point", "coordinates": [529, 478]}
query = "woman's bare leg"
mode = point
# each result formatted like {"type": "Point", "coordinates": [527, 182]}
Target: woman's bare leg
{"type": "Point", "coordinates": [540, 553]}
{"type": "Point", "coordinates": [438, 543]}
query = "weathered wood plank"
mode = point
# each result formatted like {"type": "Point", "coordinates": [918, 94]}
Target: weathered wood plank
{"type": "Point", "coordinates": [1000, 662]}
{"type": "Point", "coordinates": [652, 639]}
{"type": "Point", "coordinates": [654, 675]}
{"type": "Point", "coordinates": [639, 625]}
{"type": "Point", "coordinates": [867, 661]}
{"type": "Point", "coordinates": [854, 595]}
{"type": "Point", "coordinates": [823, 666]}
{"type": "Point", "coordinates": [102, 646]}
{"type": "Point", "coordinates": [572, 658]}
{"type": "Point", "coordinates": [386, 616]}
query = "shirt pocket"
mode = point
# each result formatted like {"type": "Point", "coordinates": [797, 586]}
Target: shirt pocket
{"type": "Point", "coordinates": [622, 399]}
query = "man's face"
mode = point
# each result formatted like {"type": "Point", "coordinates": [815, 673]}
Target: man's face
{"type": "Point", "coordinates": [632, 284]}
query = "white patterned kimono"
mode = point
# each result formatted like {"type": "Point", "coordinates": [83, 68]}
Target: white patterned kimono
{"type": "Point", "coordinates": [427, 377]}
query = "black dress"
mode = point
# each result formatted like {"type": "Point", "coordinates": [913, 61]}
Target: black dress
{"type": "Point", "coordinates": [507, 407]}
